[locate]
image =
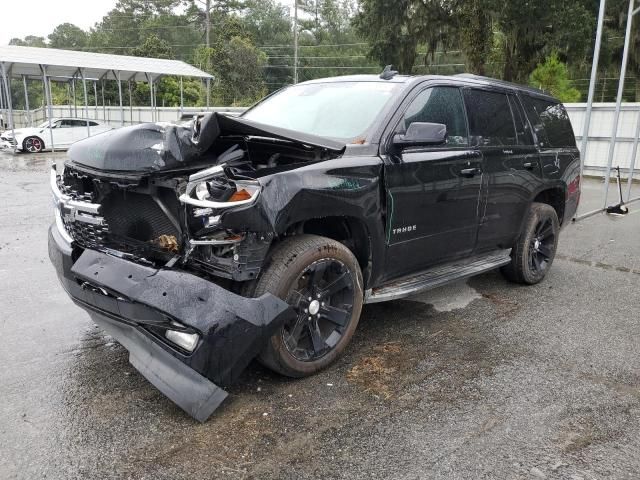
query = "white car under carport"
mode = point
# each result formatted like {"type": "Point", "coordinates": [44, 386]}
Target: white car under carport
{"type": "Point", "coordinates": [65, 131]}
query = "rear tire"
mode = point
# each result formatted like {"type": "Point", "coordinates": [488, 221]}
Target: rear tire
{"type": "Point", "coordinates": [535, 249]}
{"type": "Point", "coordinates": [322, 280]}
{"type": "Point", "coordinates": [32, 145]}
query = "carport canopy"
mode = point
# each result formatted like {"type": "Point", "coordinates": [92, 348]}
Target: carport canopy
{"type": "Point", "coordinates": [64, 64]}
{"type": "Point", "coordinates": [50, 64]}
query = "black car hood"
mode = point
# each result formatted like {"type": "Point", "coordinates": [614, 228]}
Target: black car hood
{"type": "Point", "coordinates": [151, 147]}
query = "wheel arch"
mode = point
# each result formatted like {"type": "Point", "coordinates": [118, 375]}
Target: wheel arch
{"type": "Point", "coordinates": [352, 232]}
{"type": "Point", "coordinates": [555, 197]}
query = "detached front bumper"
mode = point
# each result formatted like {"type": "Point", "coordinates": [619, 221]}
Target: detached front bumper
{"type": "Point", "coordinates": [135, 304]}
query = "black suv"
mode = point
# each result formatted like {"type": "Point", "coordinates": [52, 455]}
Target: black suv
{"type": "Point", "coordinates": [204, 245]}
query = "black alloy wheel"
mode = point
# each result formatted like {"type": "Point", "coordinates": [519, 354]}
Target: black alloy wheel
{"type": "Point", "coordinates": [542, 246]}
{"type": "Point", "coordinates": [322, 297]}
{"type": "Point", "coordinates": [534, 250]}
{"type": "Point", "coordinates": [321, 279]}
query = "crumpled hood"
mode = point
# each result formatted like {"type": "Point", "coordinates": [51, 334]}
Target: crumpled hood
{"type": "Point", "coordinates": [151, 147]}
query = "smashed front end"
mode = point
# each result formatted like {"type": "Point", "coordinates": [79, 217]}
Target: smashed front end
{"type": "Point", "coordinates": [140, 242]}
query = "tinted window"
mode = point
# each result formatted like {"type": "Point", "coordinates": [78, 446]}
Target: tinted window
{"type": "Point", "coordinates": [490, 120]}
{"type": "Point", "coordinates": [66, 123]}
{"type": "Point", "coordinates": [550, 122]}
{"type": "Point", "coordinates": [523, 131]}
{"type": "Point", "coordinates": [439, 105]}
{"type": "Point", "coordinates": [93, 124]}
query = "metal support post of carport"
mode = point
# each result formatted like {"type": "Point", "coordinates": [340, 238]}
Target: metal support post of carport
{"type": "Point", "coordinates": [26, 101]}
{"type": "Point", "coordinates": [1, 96]}
{"type": "Point", "coordinates": [95, 98]}
{"type": "Point", "coordinates": [47, 94]}
{"type": "Point", "coordinates": [181, 98]}
{"type": "Point", "coordinates": [104, 107]}
{"type": "Point", "coordinates": [86, 101]}
{"type": "Point", "coordinates": [208, 93]}
{"type": "Point", "coordinates": [131, 79]}
{"type": "Point", "coordinates": [7, 90]}
{"type": "Point", "coordinates": [116, 74]}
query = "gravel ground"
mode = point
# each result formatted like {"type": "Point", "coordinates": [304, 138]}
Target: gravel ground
{"type": "Point", "coordinates": [481, 379]}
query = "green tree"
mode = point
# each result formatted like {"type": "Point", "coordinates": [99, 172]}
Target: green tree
{"type": "Point", "coordinates": [395, 29]}
{"type": "Point", "coordinates": [29, 41]}
{"type": "Point", "coordinates": [153, 47]}
{"type": "Point", "coordinates": [68, 36]}
{"type": "Point", "coordinates": [238, 69]}
{"type": "Point", "coordinates": [475, 31]}
{"type": "Point", "coordinates": [553, 76]}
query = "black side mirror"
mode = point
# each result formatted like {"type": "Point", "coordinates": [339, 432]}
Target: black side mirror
{"type": "Point", "coordinates": [421, 134]}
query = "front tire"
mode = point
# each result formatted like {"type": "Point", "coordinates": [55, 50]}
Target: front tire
{"type": "Point", "coordinates": [321, 279]}
{"type": "Point", "coordinates": [32, 144]}
{"type": "Point", "coordinates": [535, 249]}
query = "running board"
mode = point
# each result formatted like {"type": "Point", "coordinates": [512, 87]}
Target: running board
{"type": "Point", "coordinates": [438, 276]}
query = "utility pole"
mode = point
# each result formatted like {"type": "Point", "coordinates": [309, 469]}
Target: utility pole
{"type": "Point", "coordinates": [295, 41]}
{"type": "Point", "coordinates": [207, 16]}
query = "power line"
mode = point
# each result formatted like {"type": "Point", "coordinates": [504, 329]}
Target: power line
{"type": "Point", "coordinates": [316, 46]}
{"type": "Point", "coordinates": [327, 67]}
{"type": "Point", "coordinates": [158, 27]}
{"type": "Point", "coordinates": [323, 56]}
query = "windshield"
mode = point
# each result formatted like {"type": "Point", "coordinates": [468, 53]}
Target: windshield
{"type": "Point", "coordinates": [340, 110]}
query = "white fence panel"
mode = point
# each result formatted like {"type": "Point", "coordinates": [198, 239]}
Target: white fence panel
{"type": "Point", "coordinates": [595, 164]}
{"type": "Point", "coordinates": [600, 135]}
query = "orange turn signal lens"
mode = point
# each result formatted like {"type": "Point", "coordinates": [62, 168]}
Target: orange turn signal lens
{"type": "Point", "coordinates": [239, 196]}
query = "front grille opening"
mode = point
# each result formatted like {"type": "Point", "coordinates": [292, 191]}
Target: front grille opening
{"type": "Point", "coordinates": [136, 216]}
{"type": "Point", "coordinates": [140, 225]}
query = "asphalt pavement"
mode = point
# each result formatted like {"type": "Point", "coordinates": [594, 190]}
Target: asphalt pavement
{"type": "Point", "coordinates": [480, 379]}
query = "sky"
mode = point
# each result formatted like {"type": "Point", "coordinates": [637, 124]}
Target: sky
{"type": "Point", "coordinates": [39, 17]}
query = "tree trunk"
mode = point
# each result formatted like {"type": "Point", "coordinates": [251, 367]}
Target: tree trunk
{"type": "Point", "coordinates": [509, 58]}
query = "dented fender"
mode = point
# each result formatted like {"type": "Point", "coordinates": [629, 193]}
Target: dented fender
{"type": "Point", "coordinates": [349, 186]}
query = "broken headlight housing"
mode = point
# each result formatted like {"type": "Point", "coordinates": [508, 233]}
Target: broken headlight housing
{"type": "Point", "coordinates": [211, 188]}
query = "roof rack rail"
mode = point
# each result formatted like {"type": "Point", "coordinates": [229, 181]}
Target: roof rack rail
{"type": "Point", "coordinates": [504, 83]}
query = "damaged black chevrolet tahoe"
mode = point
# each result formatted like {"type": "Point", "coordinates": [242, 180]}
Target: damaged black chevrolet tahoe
{"type": "Point", "coordinates": [202, 246]}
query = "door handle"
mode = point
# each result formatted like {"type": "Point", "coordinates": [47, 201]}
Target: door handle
{"type": "Point", "coordinates": [470, 172]}
{"type": "Point", "coordinates": [529, 165]}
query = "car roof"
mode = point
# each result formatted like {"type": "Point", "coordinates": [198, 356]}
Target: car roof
{"type": "Point", "coordinates": [358, 78]}
{"type": "Point", "coordinates": [75, 118]}
{"type": "Point", "coordinates": [413, 79]}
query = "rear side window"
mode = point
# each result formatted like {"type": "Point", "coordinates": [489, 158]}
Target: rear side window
{"type": "Point", "coordinates": [439, 105]}
{"type": "Point", "coordinates": [93, 124]}
{"type": "Point", "coordinates": [523, 131]}
{"type": "Point", "coordinates": [550, 122]}
{"type": "Point", "coordinates": [490, 119]}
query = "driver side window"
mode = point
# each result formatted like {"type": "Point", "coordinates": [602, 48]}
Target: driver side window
{"type": "Point", "coordinates": [439, 105]}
